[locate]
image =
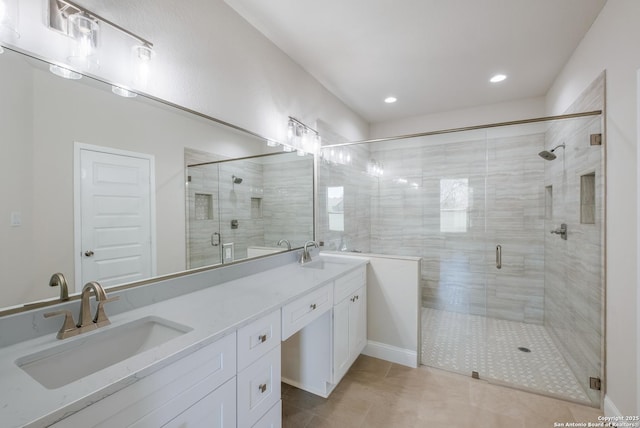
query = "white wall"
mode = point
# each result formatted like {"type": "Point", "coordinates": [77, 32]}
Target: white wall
{"type": "Point", "coordinates": [208, 59]}
{"type": "Point", "coordinates": [612, 45]}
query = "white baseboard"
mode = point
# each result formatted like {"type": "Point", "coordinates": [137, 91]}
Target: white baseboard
{"type": "Point", "coordinates": [405, 357]}
{"type": "Point", "coordinates": [610, 409]}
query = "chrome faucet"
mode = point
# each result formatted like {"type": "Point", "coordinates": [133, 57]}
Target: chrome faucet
{"type": "Point", "coordinates": [86, 322]}
{"type": "Point", "coordinates": [305, 257]}
{"type": "Point", "coordinates": [284, 241]}
{"type": "Point", "coordinates": [58, 280]}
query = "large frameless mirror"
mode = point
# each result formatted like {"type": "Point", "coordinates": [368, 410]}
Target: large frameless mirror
{"type": "Point", "coordinates": [94, 185]}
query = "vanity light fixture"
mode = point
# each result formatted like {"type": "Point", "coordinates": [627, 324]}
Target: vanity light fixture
{"type": "Point", "coordinates": [390, 100]}
{"type": "Point", "coordinates": [64, 72]}
{"type": "Point", "coordinates": [271, 143]}
{"type": "Point", "coordinates": [302, 137]}
{"type": "Point", "coordinates": [83, 27]}
{"type": "Point", "coordinates": [9, 19]}
{"type": "Point", "coordinates": [123, 92]}
{"type": "Point", "coordinates": [497, 78]}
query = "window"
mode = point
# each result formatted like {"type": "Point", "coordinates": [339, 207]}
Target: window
{"type": "Point", "coordinates": [454, 205]}
{"type": "Point", "coordinates": [335, 208]}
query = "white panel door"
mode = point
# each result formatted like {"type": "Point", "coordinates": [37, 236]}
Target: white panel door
{"type": "Point", "coordinates": [116, 215]}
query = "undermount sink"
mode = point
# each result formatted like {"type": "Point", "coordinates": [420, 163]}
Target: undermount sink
{"type": "Point", "coordinates": [84, 355]}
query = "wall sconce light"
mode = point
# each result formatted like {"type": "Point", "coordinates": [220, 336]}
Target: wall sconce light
{"type": "Point", "coordinates": [84, 27]}
{"type": "Point", "coordinates": [9, 19]}
{"type": "Point", "coordinates": [302, 138]}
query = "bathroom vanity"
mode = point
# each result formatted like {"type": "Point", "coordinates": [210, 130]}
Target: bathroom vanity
{"type": "Point", "coordinates": [211, 355]}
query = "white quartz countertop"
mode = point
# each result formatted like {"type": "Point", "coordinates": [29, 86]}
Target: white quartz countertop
{"type": "Point", "coordinates": [212, 313]}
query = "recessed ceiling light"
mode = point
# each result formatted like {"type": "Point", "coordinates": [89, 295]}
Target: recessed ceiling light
{"type": "Point", "coordinates": [497, 78]}
{"type": "Point", "coordinates": [390, 100]}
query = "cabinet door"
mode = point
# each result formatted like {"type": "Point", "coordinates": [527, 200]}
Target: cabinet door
{"type": "Point", "coordinates": [357, 323]}
{"type": "Point", "coordinates": [258, 388]}
{"type": "Point", "coordinates": [216, 410]}
{"type": "Point", "coordinates": [341, 339]}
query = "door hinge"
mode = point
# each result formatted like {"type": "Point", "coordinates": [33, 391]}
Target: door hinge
{"type": "Point", "coordinates": [595, 383]}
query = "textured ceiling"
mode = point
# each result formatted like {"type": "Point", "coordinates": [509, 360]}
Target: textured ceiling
{"type": "Point", "coordinates": [433, 55]}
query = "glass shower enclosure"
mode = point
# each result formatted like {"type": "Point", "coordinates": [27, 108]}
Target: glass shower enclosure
{"type": "Point", "coordinates": [511, 242]}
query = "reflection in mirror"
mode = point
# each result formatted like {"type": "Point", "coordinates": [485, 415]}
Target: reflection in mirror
{"type": "Point", "coordinates": [45, 118]}
{"type": "Point", "coordinates": [242, 208]}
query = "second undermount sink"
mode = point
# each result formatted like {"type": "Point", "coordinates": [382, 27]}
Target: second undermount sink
{"type": "Point", "coordinates": [84, 355]}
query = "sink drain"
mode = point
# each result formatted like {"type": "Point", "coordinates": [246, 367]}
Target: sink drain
{"type": "Point", "coordinates": [523, 349]}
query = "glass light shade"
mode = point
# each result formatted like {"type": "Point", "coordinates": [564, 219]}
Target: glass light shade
{"type": "Point", "coordinates": [272, 143]}
{"type": "Point", "coordinates": [64, 72]}
{"type": "Point", "coordinates": [287, 148]}
{"type": "Point", "coordinates": [123, 92]}
{"type": "Point", "coordinates": [142, 55]}
{"type": "Point", "coordinates": [84, 32]}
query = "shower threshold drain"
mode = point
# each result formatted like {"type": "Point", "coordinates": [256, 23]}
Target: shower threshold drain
{"type": "Point", "coordinates": [523, 349]}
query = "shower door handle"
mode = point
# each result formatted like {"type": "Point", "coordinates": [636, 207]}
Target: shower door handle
{"type": "Point", "coordinates": [498, 256]}
{"type": "Point", "coordinates": [215, 242]}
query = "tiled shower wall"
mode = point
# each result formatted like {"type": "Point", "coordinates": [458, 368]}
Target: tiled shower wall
{"type": "Point", "coordinates": [504, 205]}
{"type": "Point", "coordinates": [574, 274]}
{"type": "Point", "coordinates": [288, 201]}
{"type": "Point", "coordinates": [273, 202]}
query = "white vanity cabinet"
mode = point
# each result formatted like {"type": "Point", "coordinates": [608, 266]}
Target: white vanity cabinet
{"type": "Point", "coordinates": [318, 354]}
{"type": "Point", "coordinates": [349, 332]}
{"type": "Point", "coordinates": [198, 386]}
{"type": "Point", "coordinates": [259, 372]}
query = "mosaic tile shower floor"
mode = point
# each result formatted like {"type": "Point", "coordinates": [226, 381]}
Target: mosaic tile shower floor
{"type": "Point", "coordinates": [464, 343]}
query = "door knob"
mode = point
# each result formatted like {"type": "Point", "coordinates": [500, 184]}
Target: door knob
{"type": "Point", "coordinates": [88, 253]}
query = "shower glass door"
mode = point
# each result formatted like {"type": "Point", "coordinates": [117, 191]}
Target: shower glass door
{"type": "Point", "coordinates": [543, 301]}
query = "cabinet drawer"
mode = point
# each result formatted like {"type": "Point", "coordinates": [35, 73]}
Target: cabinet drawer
{"type": "Point", "coordinates": [298, 314]}
{"type": "Point", "coordinates": [159, 397]}
{"type": "Point", "coordinates": [216, 410]}
{"type": "Point", "coordinates": [258, 388]}
{"type": "Point", "coordinates": [273, 418]}
{"type": "Point", "coordinates": [347, 284]}
{"type": "Point", "coordinates": [258, 338]}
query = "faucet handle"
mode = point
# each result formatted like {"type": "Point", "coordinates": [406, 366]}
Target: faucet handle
{"type": "Point", "coordinates": [101, 318]}
{"type": "Point", "coordinates": [69, 327]}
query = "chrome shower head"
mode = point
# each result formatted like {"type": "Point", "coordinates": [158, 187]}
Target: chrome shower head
{"type": "Point", "coordinates": [549, 155]}
{"type": "Point", "coordinates": [236, 180]}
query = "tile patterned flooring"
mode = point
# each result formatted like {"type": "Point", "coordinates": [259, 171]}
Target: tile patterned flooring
{"type": "Point", "coordinates": [464, 343]}
{"type": "Point", "coordinates": [376, 393]}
